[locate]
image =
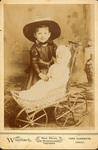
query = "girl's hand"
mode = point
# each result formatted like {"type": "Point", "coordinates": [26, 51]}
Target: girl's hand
{"type": "Point", "coordinates": [46, 79]}
{"type": "Point", "coordinates": [42, 76]}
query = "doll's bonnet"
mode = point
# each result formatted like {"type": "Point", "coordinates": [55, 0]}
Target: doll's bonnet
{"type": "Point", "coordinates": [64, 51]}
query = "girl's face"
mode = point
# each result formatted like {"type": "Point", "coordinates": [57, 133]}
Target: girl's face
{"type": "Point", "coordinates": [42, 34]}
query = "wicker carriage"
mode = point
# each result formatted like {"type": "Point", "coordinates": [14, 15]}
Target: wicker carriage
{"type": "Point", "coordinates": [69, 108]}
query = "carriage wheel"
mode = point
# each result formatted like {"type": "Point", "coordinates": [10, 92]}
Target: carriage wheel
{"type": "Point", "coordinates": [62, 113]}
{"type": "Point", "coordinates": [78, 107]}
{"type": "Point", "coordinates": [72, 111]}
{"type": "Point", "coordinates": [40, 118]}
{"type": "Point", "coordinates": [24, 120]}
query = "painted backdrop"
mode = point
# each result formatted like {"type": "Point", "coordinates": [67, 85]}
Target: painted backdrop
{"type": "Point", "coordinates": [75, 22]}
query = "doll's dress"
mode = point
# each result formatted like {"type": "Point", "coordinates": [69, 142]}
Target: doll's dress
{"type": "Point", "coordinates": [59, 75]}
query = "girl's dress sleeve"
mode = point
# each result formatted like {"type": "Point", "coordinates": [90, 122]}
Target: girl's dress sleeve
{"type": "Point", "coordinates": [34, 59]}
{"type": "Point", "coordinates": [54, 49]}
{"type": "Point", "coordinates": [50, 72]}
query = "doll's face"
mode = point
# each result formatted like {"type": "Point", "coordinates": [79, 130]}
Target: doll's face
{"type": "Point", "coordinates": [42, 34]}
{"type": "Point", "coordinates": [60, 59]}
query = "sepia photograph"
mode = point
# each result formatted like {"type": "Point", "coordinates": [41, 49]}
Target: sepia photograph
{"type": "Point", "coordinates": [49, 66]}
{"type": "Point", "coordinates": [48, 74]}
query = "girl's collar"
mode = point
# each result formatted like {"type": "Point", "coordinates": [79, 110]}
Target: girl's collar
{"type": "Point", "coordinates": [41, 44]}
{"type": "Point", "coordinates": [45, 43]}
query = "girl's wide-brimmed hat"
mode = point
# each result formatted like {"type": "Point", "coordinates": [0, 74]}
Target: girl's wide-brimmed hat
{"type": "Point", "coordinates": [29, 29]}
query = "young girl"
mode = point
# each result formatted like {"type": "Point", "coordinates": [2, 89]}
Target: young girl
{"type": "Point", "coordinates": [42, 33]}
{"type": "Point", "coordinates": [57, 76]}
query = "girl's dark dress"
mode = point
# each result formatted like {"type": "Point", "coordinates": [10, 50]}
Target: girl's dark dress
{"type": "Point", "coordinates": [41, 58]}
